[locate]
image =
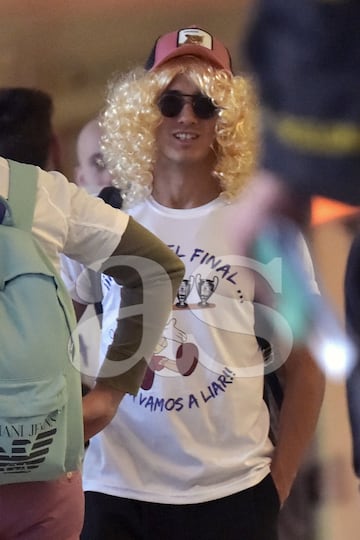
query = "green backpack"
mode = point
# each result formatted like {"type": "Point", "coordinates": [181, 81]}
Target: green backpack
{"type": "Point", "coordinates": [41, 429]}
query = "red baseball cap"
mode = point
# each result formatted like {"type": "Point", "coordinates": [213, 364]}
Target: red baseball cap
{"type": "Point", "coordinates": [189, 41]}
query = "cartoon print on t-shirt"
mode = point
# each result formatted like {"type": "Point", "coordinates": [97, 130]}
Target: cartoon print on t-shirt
{"type": "Point", "coordinates": [186, 355]}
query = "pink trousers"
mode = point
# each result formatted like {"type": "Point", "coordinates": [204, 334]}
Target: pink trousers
{"type": "Point", "coordinates": [42, 510]}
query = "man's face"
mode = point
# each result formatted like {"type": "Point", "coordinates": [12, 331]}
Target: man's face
{"type": "Point", "coordinates": [91, 172]}
{"type": "Point", "coordinates": [185, 138]}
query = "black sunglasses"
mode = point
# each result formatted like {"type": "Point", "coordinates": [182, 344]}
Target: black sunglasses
{"type": "Point", "coordinates": [172, 103]}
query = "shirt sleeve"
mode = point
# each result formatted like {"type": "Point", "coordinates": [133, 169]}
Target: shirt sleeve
{"type": "Point", "coordinates": [70, 221]}
{"type": "Point", "coordinates": [150, 275]}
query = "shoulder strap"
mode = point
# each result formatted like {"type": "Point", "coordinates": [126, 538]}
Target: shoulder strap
{"type": "Point", "coordinates": [22, 193]}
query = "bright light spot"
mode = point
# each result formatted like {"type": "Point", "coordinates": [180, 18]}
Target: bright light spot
{"type": "Point", "coordinates": [336, 357]}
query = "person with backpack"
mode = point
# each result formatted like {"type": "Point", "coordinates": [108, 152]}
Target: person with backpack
{"type": "Point", "coordinates": [43, 215]}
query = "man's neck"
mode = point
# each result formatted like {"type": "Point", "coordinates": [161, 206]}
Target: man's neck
{"type": "Point", "coordinates": [180, 188]}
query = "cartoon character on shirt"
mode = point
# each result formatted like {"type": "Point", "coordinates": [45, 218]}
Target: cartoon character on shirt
{"type": "Point", "coordinates": [186, 360]}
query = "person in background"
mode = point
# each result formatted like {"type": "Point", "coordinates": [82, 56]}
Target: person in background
{"type": "Point", "coordinates": [308, 89]}
{"type": "Point", "coordinates": [180, 140]}
{"type": "Point", "coordinates": [307, 83]}
{"type": "Point", "coordinates": [352, 311]}
{"type": "Point", "coordinates": [91, 172]}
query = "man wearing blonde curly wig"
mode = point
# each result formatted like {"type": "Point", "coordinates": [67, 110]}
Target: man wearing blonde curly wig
{"type": "Point", "coordinates": [190, 456]}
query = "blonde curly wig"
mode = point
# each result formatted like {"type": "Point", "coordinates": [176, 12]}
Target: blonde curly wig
{"type": "Point", "coordinates": [131, 116]}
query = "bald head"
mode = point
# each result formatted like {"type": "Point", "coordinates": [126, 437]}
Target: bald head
{"type": "Point", "coordinates": [91, 173]}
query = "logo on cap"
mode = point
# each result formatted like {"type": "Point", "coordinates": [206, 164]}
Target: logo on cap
{"type": "Point", "coordinates": [195, 36]}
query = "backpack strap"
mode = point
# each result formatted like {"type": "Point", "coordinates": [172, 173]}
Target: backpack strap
{"type": "Point", "coordinates": [22, 193]}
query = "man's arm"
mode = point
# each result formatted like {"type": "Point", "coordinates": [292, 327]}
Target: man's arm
{"type": "Point", "coordinates": [149, 274]}
{"type": "Point", "coordinates": [304, 386]}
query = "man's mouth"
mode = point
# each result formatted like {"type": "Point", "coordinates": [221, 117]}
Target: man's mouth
{"type": "Point", "coordinates": [185, 136]}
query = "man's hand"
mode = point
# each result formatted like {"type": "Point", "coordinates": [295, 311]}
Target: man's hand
{"type": "Point", "coordinates": [99, 408]}
{"type": "Point", "coordinates": [304, 385]}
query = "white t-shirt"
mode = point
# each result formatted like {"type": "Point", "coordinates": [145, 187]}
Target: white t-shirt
{"type": "Point", "coordinates": [199, 431]}
{"type": "Point", "coordinates": [68, 220]}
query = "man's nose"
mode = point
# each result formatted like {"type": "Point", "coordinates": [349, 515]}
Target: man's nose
{"type": "Point", "coordinates": [187, 113]}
